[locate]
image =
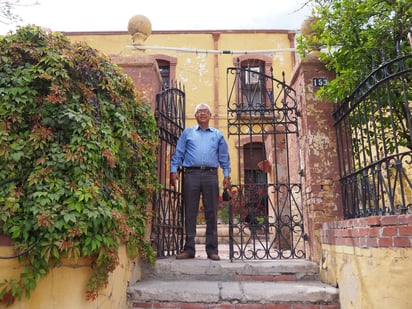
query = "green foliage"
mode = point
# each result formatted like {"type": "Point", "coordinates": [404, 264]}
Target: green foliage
{"type": "Point", "coordinates": [77, 158]}
{"type": "Point", "coordinates": [354, 35]}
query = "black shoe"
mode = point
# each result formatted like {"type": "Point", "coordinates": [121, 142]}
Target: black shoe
{"type": "Point", "coordinates": [184, 256]}
{"type": "Point", "coordinates": [214, 257]}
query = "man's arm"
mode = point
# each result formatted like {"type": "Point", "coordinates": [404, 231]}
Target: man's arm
{"type": "Point", "coordinates": [224, 158]}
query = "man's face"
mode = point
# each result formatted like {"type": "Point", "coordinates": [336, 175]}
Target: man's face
{"type": "Point", "coordinates": [203, 115]}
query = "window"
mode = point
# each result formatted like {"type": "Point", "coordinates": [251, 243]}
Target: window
{"type": "Point", "coordinates": [254, 93]}
{"type": "Point", "coordinates": [167, 68]}
{"type": "Point", "coordinates": [164, 68]}
{"type": "Point", "coordinates": [252, 76]}
{"type": "Point", "coordinates": [253, 85]}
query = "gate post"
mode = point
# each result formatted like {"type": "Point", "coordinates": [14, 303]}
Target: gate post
{"type": "Point", "coordinates": [317, 153]}
{"type": "Point", "coordinates": [144, 72]}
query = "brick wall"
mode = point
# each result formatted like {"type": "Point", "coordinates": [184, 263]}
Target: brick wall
{"type": "Point", "coordinates": [374, 232]}
{"type": "Point", "coordinates": [370, 259]}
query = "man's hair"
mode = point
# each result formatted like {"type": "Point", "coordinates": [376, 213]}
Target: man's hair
{"type": "Point", "coordinates": [204, 105]}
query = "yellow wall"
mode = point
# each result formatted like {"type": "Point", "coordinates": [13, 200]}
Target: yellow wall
{"type": "Point", "coordinates": [369, 278]}
{"type": "Point", "coordinates": [204, 78]}
{"type": "Point", "coordinates": [370, 259]}
{"type": "Point", "coordinates": [65, 286]}
{"type": "Point", "coordinates": [203, 74]}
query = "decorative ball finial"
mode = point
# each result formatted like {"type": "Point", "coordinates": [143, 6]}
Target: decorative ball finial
{"type": "Point", "coordinates": [139, 28]}
{"type": "Point", "coordinates": [306, 27]}
{"type": "Point", "coordinates": [309, 33]}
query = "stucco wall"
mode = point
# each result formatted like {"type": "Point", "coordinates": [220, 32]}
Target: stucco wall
{"type": "Point", "coordinates": [202, 74]}
{"type": "Point", "coordinates": [370, 260]}
{"type": "Point", "coordinates": [65, 286]}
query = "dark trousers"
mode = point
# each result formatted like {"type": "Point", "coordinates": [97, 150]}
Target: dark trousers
{"type": "Point", "coordinates": [199, 183]}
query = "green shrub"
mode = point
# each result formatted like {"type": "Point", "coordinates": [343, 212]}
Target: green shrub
{"type": "Point", "coordinates": [77, 158]}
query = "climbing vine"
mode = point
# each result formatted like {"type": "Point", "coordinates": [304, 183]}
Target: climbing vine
{"type": "Point", "coordinates": [77, 158]}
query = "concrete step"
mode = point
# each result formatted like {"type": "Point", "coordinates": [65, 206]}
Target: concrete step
{"type": "Point", "coordinates": [168, 294]}
{"type": "Point", "coordinates": [202, 268]}
{"type": "Point", "coordinates": [202, 283]}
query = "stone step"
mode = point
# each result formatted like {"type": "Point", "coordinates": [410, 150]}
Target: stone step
{"type": "Point", "coordinates": [228, 294]}
{"type": "Point", "coordinates": [202, 283]}
{"type": "Point", "coordinates": [239, 270]}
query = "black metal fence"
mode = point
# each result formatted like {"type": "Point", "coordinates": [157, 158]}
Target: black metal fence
{"type": "Point", "coordinates": [167, 223]}
{"type": "Point", "coordinates": [374, 139]}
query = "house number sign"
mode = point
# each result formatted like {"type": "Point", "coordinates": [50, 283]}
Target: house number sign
{"type": "Point", "coordinates": [319, 81]}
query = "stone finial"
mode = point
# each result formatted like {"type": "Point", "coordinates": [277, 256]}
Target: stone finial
{"type": "Point", "coordinates": [139, 28]}
{"type": "Point", "coordinates": [306, 27]}
{"type": "Point", "coordinates": [308, 32]}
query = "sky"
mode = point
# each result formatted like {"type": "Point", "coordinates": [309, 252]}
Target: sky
{"type": "Point", "coordinates": [114, 15]}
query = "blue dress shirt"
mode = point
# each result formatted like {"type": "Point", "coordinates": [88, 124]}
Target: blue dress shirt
{"type": "Point", "coordinates": [197, 147]}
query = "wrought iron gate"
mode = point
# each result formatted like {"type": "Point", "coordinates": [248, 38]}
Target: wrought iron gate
{"type": "Point", "coordinates": [265, 209]}
{"type": "Point", "coordinates": [167, 223]}
{"type": "Point", "coordinates": [374, 138]}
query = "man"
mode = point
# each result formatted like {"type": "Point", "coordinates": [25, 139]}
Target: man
{"type": "Point", "coordinates": [201, 149]}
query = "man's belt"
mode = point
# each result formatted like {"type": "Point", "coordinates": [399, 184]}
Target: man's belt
{"type": "Point", "coordinates": [202, 168]}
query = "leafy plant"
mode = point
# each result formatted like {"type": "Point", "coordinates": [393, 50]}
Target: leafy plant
{"type": "Point", "coordinates": [354, 37]}
{"type": "Point", "coordinates": [77, 158]}
{"type": "Point", "coordinates": [249, 203]}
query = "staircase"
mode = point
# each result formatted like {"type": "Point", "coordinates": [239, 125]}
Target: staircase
{"type": "Point", "coordinates": [204, 284]}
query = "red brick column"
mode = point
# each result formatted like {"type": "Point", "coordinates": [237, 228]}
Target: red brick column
{"type": "Point", "coordinates": [144, 71]}
{"type": "Point", "coordinates": [320, 181]}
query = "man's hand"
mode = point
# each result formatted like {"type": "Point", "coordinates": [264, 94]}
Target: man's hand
{"type": "Point", "coordinates": [173, 179]}
{"type": "Point", "coordinates": [226, 183]}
